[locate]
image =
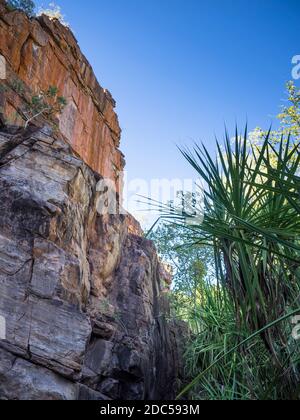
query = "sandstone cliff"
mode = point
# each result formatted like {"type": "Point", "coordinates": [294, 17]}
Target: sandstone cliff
{"type": "Point", "coordinates": [42, 53]}
{"type": "Point", "coordinates": [81, 294]}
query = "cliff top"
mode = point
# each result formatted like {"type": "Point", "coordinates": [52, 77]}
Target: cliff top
{"type": "Point", "coordinates": [41, 52]}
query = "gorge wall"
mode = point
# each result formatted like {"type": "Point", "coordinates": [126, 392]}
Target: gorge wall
{"type": "Point", "coordinates": [42, 53]}
{"type": "Point", "coordinates": [82, 295]}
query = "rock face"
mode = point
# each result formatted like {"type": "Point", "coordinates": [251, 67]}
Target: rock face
{"type": "Point", "coordinates": [82, 296]}
{"type": "Point", "coordinates": [42, 53]}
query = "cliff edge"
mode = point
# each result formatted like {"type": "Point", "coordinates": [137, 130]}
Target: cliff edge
{"type": "Point", "coordinates": [83, 310]}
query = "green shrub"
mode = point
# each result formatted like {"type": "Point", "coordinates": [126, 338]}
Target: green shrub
{"type": "Point", "coordinates": [252, 221]}
{"type": "Point", "coordinates": [46, 104]}
{"type": "Point", "coordinates": [26, 6]}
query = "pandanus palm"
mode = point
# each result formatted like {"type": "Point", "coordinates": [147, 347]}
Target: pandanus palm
{"type": "Point", "coordinates": [252, 219]}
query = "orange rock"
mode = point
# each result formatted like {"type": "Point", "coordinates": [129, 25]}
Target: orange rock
{"type": "Point", "coordinates": [43, 52]}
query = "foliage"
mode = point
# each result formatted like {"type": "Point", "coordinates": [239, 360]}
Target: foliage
{"type": "Point", "coordinates": [47, 103]}
{"type": "Point", "coordinates": [232, 368]}
{"type": "Point", "coordinates": [289, 119]}
{"type": "Point", "coordinates": [252, 222]}
{"type": "Point", "coordinates": [290, 115]}
{"type": "Point", "coordinates": [26, 6]}
{"type": "Point", "coordinates": [191, 266]}
{"type": "Point", "coordinates": [53, 12]}
{"type": "Point", "coordinates": [17, 85]}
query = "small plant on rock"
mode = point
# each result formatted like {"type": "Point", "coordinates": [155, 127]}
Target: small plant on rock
{"type": "Point", "coordinates": [53, 12]}
{"type": "Point", "coordinates": [18, 86]}
{"type": "Point", "coordinates": [26, 6]}
{"type": "Point", "coordinates": [47, 104]}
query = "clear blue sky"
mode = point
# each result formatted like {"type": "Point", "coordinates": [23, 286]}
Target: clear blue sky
{"type": "Point", "coordinates": [179, 69]}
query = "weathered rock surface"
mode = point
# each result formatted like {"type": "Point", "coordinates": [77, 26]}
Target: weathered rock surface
{"type": "Point", "coordinates": [82, 295]}
{"type": "Point", "coordinates": [42, 53]}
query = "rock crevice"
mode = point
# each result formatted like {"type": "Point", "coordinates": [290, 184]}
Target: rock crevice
{"type": "Point", "coordinates": [82, 296]}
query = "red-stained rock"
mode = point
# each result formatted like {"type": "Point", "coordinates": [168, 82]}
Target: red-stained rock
{"type": "Point", "coordinates": [42, 53]}
{"type": "Point", "coordinates": [82, 293]}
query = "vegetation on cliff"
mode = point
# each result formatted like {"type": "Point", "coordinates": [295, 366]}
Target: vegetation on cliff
{"type": "Point", "coordinates": [236, 274]}
{"type": "Point", "coordinates": [27, 6]}
{"type": "Point", "coordinates": [53, 11]}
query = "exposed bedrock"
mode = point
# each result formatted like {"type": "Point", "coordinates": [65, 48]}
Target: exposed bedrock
{"type": "Point", "coordinates": [83, 297]}
{"type": "Point", "coordinates": [84, 312]}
